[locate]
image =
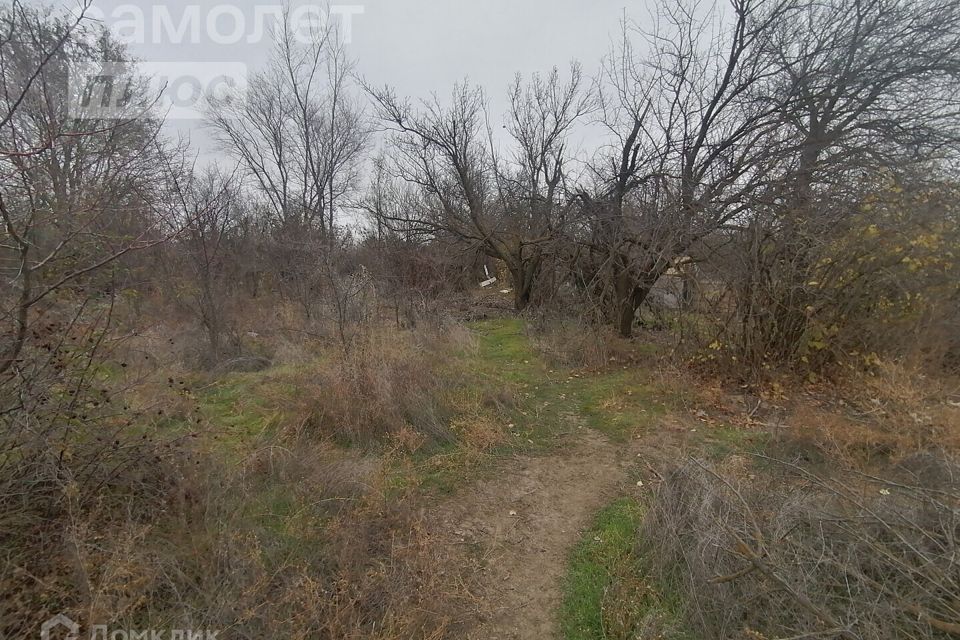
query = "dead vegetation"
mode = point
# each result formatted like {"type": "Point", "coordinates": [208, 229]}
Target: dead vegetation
{"type": "Point", "coordinates": [273, 529]}
{"type": "Point", "coordinates": [333, 559]}
{"type": "Point", "coordinates": [794, 554]}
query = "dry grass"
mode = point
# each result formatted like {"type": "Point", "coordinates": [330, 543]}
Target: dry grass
{"type": "Point", "coordinates": [800, 555]}
{"type": "Point", "coordinates": [885, 415]}
{"type": "Point", "coordinates": [271, 551]}
{"type": "Point", "coordinates": [387, 384]}
{"type": "Point", "coordinates": [247, 508]}
{"type": "Point", "coordinates": [288, 502]}
{"type": "Point", "coordinates": [571, 343]}
{"type": "Point", "coordinates": [479, 432]}
{"type": "Point", "coordinates": [304, 544]}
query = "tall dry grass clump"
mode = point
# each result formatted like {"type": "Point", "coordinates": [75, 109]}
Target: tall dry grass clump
{"type": "Point", "coordinates": [567, 339]}
{"type": "Point", "coordinates": [798, 555]}
{"type": "Point", "coordinates": [385, 383]}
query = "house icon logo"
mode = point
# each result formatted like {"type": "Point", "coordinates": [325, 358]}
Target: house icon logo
{"type": "Point", "coordinates": [47, 630]}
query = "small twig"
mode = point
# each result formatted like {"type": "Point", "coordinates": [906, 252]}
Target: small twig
{"type": "Point", "coordinates": [953, 628]}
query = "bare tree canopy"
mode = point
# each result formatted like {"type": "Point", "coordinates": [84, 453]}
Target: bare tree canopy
{"type": "Point", "coordinates": [300, 133]}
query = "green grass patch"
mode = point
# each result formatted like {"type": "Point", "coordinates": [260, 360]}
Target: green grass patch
{"type": "Point", "coordinates": [618, 404]}
{"type": "Point", "coordinates": [232, 414]}
{"type": "Point", "coordinates": [504, 364]}
{"type": "Point", "coordinates": [606, 593]}
{"type": "Point", "coordinates": [605, 550]}
{"type": "Point", "coordinates": [239, 410]}
{"type": "Point", "coordinates": [551, 401]}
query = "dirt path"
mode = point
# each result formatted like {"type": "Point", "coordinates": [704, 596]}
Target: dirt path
{"type": "Point", "coordinates": [519, 526]}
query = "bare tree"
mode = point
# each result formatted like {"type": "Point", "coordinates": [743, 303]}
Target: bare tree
{"type": "Point", "coordinates": [693, 142]}
{"type": "Point", "coordinates": [508, 208]}
{"type": "Point", "coordinates": [299, 134]}
{"type": "Point", "coordinates": [207, 207]}
{"type": "Point", "coordinates": [535, 186]}
{"type": "Point", "coordinates": [871, 84]}
{"type": "Point", "coordinates": [869, 95]}
{"type": "Point", "coordinates": [75, 192]}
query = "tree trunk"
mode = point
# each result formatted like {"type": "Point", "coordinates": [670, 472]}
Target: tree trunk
{"type": "Point", "coordinates": [524, 275]}
{"type": "Point", "coordinates": [624, 285]}
{"type": "Point", "coordinates": [521, 297]}
{"type": "Point", "coordinates": [627, 314]}
{"type": "Point", "coordinates": [521, 287]}
{"type": "Point", "coordinates": [631, 292]}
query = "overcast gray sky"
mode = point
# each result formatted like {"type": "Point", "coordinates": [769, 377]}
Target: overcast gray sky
{"type": "Point", "coordinates": [424, 45]}
{"type": "Point", "coordinates": [417, 46]}
{"type": "Point", "coordinates": [421, 45]}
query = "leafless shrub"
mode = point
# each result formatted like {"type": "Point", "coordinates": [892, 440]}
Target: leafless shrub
{"type": "Point", "coordinates": [203, 273]}
{"type": "Point", "coordinates": [866, 278]}
{"type": "Point", "coordinates": [798, 555]}
{"type": "Point", "coordinates": [77, 198]}
{"type": "Point", "coordinates": [417, 281]}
